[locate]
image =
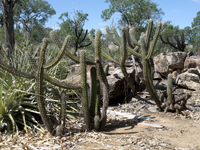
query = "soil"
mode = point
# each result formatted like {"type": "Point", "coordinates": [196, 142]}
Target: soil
{"type": "Point", "coordinates": [174, 131]}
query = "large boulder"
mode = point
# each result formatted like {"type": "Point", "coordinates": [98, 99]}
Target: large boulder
{"type": "Point", "coordinates": [115, 78]}
{"type": "Point", "coordinates": [167, 63]}
{"type": "Point", "coordinates": [189, 79]}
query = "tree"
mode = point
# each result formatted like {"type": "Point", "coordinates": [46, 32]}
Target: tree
{"type": "Point", "coordinates": [196, 32]}
{"type": "Point", "coordinates": [27, 12]}
{"type": "Point", "coordinates": [7, 9]}
{"type": "Point", "coordinates": [32, 13]}
{"type": "Point", "coordinates": [74, 27]}
{"type": "Point", "coordinates": [133, 12]}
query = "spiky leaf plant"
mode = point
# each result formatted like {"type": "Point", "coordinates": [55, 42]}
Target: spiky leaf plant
{"type": "Point", "coordinates": [17, 108]}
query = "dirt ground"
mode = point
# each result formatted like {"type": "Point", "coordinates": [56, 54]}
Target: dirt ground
{"type": "Point", "coordinates": [121, 133]}
{"type": "Point", "coordinates": [178, 132]}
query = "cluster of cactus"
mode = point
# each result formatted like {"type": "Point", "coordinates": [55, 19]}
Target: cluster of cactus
{"type": "Point", "coordinates": [91, 104]}
{"type": "Point", "coordinates": [128, 44]}
{"type": "Point", "coordinates": [172, 104]}
{"type": "Point", "coordinates": [40, 76]}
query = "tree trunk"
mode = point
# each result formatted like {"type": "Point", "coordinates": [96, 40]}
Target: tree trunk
{"type": "Point", "coordinates": [7, 8]}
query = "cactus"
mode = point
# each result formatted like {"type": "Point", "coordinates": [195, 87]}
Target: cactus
{"type": "Point", "coordinates": [106, 70]}
{"type": "Point", "coordinates": [93, 90]}
{"type": "Point", "coordinates": [102, 78]}
{"type": "Point", "coordinates": [122, 43]}
{"type": "Point", "coordinates": [98, 77]}
{"type": "Point", "coordinates": [63, 99]}
{"type": "Point", "coordinates": [129, 42]}
{"type": "Point", "coordinates": [39, 89]}
{"type": "Point", "coordinates": [74, 58]}
{"type": "Point", "coordinates": [40, 76]}
{"type": "Point", "coordinates": [85, 100]}
{"type": "Point", "coordinates": [169, 89]}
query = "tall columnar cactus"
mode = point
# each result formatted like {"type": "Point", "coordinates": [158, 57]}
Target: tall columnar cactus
{"type": "Point", "coordinates": [102, 78]}
{"type": "Point", "coordinates": [129, 42]}
{"type": "Point", "coordinates": [85, 100]}
{"type": "Point", "coordinates": [63, 99]}
{"type": "Point", "coordinates": [122, 43]}
{"type": "Point", "coordinates": [98, 78]}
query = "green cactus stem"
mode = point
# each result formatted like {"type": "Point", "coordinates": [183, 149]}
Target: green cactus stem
{"type": "Point", "coordinates": [146, 73]}
{"type": "Point", "coordinates": [60, 54]}
{"type": "Point", "coordinates": [93, 90]}
{"type": "Point", "coordinates": [74, 58]}
{"type": "Point", "coordinates": [53, 80]}
{"type": "Point", "coordinates": [106, 70]}
{"type": "Point", "coordinates": [40, 90]}
{"type": "Point", "coordinates": [86, 110]}
{"type": "Point", "coordinates": [102, 78]}
{"type": "Point", "coordinates": [63, 109]}
{"type": "Point", "coordinates": [169, 89]}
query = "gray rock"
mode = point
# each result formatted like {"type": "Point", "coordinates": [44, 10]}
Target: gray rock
{"type": "Point", "coordinates": [167, 63]}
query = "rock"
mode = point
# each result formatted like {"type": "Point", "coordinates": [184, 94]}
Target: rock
{"type": "Point", "coordinates": [115, 78]}
{"type": "Point", "coordinates": [167, 63]}
{"type": "Point", "coordinates": [157, 76]}
{"type": "Point", "coordinates": [188, 80]}
{"type": "Point", "coordinates": [190, 63]}
{"type": "Point", "coordinates": [176, 73]}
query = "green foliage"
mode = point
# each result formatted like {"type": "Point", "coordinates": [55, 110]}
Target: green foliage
{"type": "Point", "coordinates": [195, 40]}
{"type": "Point", "coordinates": [17, 107]}
{"type": "Point", "coordinates": [31, 12]}
{"type": "Point", "coordinates": [133, 12]}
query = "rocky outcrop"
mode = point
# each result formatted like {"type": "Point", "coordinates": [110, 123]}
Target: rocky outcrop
{"type": "Point", "coordinates": [167, 63]}
{"type": "Point", "coordinates": [189, 79]}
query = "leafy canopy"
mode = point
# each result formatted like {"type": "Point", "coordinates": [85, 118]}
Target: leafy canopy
{"type": "Point", "coordinates": [133, 12]}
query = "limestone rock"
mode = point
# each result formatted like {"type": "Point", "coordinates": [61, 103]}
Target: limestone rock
{"type": "Point", "coordinates": [167, 63]}
{"type": "Point", "coordinates": [189, 79]}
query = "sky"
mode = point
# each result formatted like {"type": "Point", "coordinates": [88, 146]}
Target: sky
{"type": "Point", "coordinates": [180, 12]}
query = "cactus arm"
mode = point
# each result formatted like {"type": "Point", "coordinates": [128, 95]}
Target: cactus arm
{"type": "Point", "coordinates": [123, 48]}
{"type": "Point", "coordinates": [134, 51]}
{"type": "Point", "coordinates": [97, 119]}
{"type": "Point", "coordinates": [102, 78]}
{"type": "Point", "coordinates": [60, 83]}
{"type": "Point", "coordinates": [149, 31]}
{"type": "Point", "coordinates": [15, 71]}
{"type": "Point", "coordinates": [146, 73]}
{"type": "Point", "coordinates": [93, 90]}
{"type": "Point", "coordinates": [109, 58]}
{"type": "Point", "coordinates": [117, 36]}
{"type": "Point", "coordinates": [39, 90]}
{"type": "Point", "coordinates": [169, 89]}
{"type": "Point", "coordinates": [63, 99]}
{"type": "Point", "coordinates": [132, 35]}
{"type": "Point", "coordinates": [74, 58]}
{"type": "Point", "coordinates": [60, 54]}
{"type": "Point", "coordinates": [111, 37]}
{"type": "Point", "coordinates": [129, 38]}
{"type": "Point", "coordinates": [86, 110]}
{"type": "Point", "coordinates": [54, 81]}
{"type": "Point", "coordinates": [155, 38]}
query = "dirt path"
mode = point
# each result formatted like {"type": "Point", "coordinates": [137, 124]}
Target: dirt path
{"type": "Point", "coordinates": [121, 133]}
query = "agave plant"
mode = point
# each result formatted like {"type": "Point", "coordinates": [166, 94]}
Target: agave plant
{"type": "Point", "coordinates": [17, 106]}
